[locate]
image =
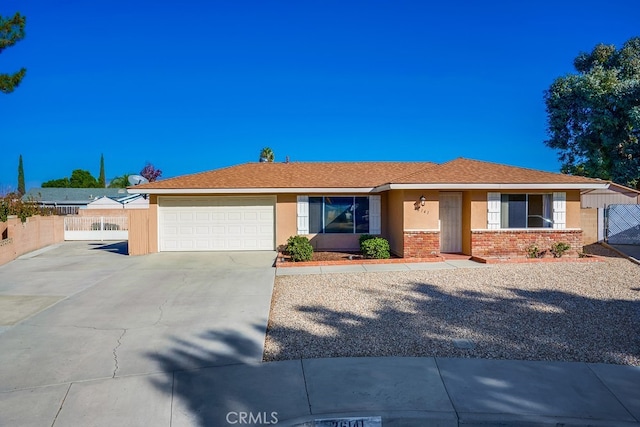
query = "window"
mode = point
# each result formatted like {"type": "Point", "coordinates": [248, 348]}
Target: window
{"type": "Point", "coordinates": [338, 215]}
{"type": "Point", "coordinates": [526, 211]}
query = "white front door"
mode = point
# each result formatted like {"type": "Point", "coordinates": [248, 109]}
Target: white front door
{"type": "Point", "coordinates": [451, 222]}
{"type": "Point", "coordinates": [216, 223]}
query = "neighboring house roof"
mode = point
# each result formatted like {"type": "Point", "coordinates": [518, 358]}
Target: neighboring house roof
{"type": "Point", "coordinates": [72, 196]}
{"type": "Point", "coordinates": [365, 176]}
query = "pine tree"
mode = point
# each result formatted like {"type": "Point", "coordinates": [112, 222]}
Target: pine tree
{"type": "Point", "coordinates": [101, 179]}
{"type": "Point", "coordinates": [11, 32]}
{"type": "Point", "coordinates": [21, 188]}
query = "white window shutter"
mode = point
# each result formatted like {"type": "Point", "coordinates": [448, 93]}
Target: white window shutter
{"type": "Point", "coordinates": [493, 211]}
{"type": "Point", "coordinates": [374, 215]}
{"type": "Point", "coordinates": [560, 210]}
{"type": "Point", "coordinates": [303, 214]}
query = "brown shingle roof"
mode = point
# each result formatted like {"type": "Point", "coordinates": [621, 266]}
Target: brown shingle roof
{"type": "Point", "coordinates": [466, 171]}
{"type": "Point", "coordinates": [361, 175]}
{"type": "Point", "coordinates": [294, 175]}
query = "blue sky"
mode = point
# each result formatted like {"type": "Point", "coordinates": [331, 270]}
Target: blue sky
{"type": "Point", "coordinates": [197, 85]}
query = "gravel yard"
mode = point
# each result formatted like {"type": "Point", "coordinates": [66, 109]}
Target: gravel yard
{"type": "Point", "coordinates": [586, 312]}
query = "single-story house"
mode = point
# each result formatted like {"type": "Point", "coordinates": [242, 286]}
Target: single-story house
{"type": "Point", "coordinates": [69, 200]}
{"type": "Point", "coordinates": [422, 208]}
{"type": "Point", "coordinates": [127, 201]}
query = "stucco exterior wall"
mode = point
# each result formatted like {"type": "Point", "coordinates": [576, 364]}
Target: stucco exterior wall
{"type": "Point", "coordinates": [154, 245]}
{"type": "Point", "coordinates": [589, 225]}
{"type": "Point", "coordinates": [286, 217]}
{"type": "Point", "coordinates": [417, 217]}
{"type": "Point", "coordinates": [37, 232]}
{"type": "Point", "coordinates": [573, 209]}
{"type": "Point", "coordinates": [394, 221]}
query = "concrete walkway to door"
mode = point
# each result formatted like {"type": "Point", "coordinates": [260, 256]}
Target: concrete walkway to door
{"type": "Point", "coordinates": [80, 313]}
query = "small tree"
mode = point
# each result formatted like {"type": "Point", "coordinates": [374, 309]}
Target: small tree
{"type": "Point", "coordinates": [21, 187]}
{"type": "Point", "coordinates": [101, 179]}
{"type": "Point", "coordinates": [266, 155]}
{"type": "Point", "coordinates": [150, 172]}
{"type": "Point", "coordinates": [11, 32]}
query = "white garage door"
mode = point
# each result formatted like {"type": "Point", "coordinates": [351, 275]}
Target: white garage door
{"type": "Point", "coordinates": [216, 223]}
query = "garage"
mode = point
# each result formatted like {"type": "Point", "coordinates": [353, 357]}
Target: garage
{"type": "Point", "coordinates": [216, 223]}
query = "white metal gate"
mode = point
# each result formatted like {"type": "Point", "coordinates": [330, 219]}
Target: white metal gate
{"type": "Point", "coordinates": [96, 228]}
{"type": "Point", "coordinates": [623, 224]}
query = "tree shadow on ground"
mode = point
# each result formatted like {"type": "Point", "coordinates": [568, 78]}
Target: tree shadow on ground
{"type": "Point", "coordinates": [199, 394]}
{"type": "Point", "coordinates": [525, 325]}
{"type": "Point", "coordinates": [121, 248]}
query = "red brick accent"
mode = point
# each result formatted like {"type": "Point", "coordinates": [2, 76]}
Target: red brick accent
{"type": "Point", "coordinates": [514, 243]}
{"type": "Point", "coordinates": [421, 244]}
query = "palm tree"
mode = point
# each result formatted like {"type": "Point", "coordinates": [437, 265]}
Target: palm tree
{"type": "Point", "coordinates": [120, 181]}
{"type": "Point", "coordinates": [266, 155]}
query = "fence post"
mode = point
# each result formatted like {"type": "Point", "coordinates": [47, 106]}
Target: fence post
{"type": "Point", "coordinates": [102, 229]}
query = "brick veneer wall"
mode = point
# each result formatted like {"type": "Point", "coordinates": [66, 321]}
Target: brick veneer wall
{"type": "Point", "coordinates": [421, 244]}
{"type": "Point", "coordinates": [514, 243]}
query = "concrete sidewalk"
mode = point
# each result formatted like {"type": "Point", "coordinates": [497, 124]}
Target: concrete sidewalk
{"type": "Point", "coordinates": [363, 268]}
{"type": "Point", "coordinates": [401, 391]}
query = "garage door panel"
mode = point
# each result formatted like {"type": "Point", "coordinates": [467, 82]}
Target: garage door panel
{"type": "Point", "coordinates": [216, 223]}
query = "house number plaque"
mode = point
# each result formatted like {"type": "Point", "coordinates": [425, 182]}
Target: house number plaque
{"type": "Point", "coordinates": [350, 422]}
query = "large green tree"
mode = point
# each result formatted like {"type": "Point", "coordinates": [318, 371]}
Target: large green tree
{"type": "Point", "coordinates": [21, 186]}
{"type": "Point", "coordinates": [594, 114]}
{"type": "Point", "coordinates": [80, 178]}
{"type": "Point", "coordinates": [11, 32]}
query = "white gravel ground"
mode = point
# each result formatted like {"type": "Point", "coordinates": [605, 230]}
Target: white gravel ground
{"type": "Point", "coordinates": [566, 311]}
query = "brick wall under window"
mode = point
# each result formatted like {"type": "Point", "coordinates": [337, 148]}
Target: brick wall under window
{"type": "Point", "coordinates": [514, 243]}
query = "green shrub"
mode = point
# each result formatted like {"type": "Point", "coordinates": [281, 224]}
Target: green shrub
{"type": "Point", "coordinates": [533, 251]}
{"type": "Point", "coordinates": [299, 248]}
{"type": "Point", "coordinates": [376, 247]}
{"type": "Point", "coordinates": [364, 237]}
{"type": "Point", "coordinates": [559, 248]}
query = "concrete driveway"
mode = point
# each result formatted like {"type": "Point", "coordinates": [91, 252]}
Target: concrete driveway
{"type": "Point", "coordinates": [83, 317]}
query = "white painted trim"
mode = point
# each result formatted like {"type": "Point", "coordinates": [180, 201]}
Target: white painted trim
{"type": "Point", "coordinates": [544, 230]}
{"type": "Point", "coordinates": [215, 191]}
{"type": "Point", "coordinates": [302, 215]}
{"type": "Point", "coordinates": [505, 186]}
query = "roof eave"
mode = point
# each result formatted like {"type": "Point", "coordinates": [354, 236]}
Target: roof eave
{"type": "Point", "coordinates": [493, 186]}
{"type": "Point", "coordinates": [169, 191]}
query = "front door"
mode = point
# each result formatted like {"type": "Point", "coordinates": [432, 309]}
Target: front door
{"type": "Point", "coordinates": [451, 222]}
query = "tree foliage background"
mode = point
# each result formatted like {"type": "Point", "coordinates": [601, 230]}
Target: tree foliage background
{"type": "Point", "coordinates": [594, 115]}
{"type": "Point", "coordinates": [11, 32]}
